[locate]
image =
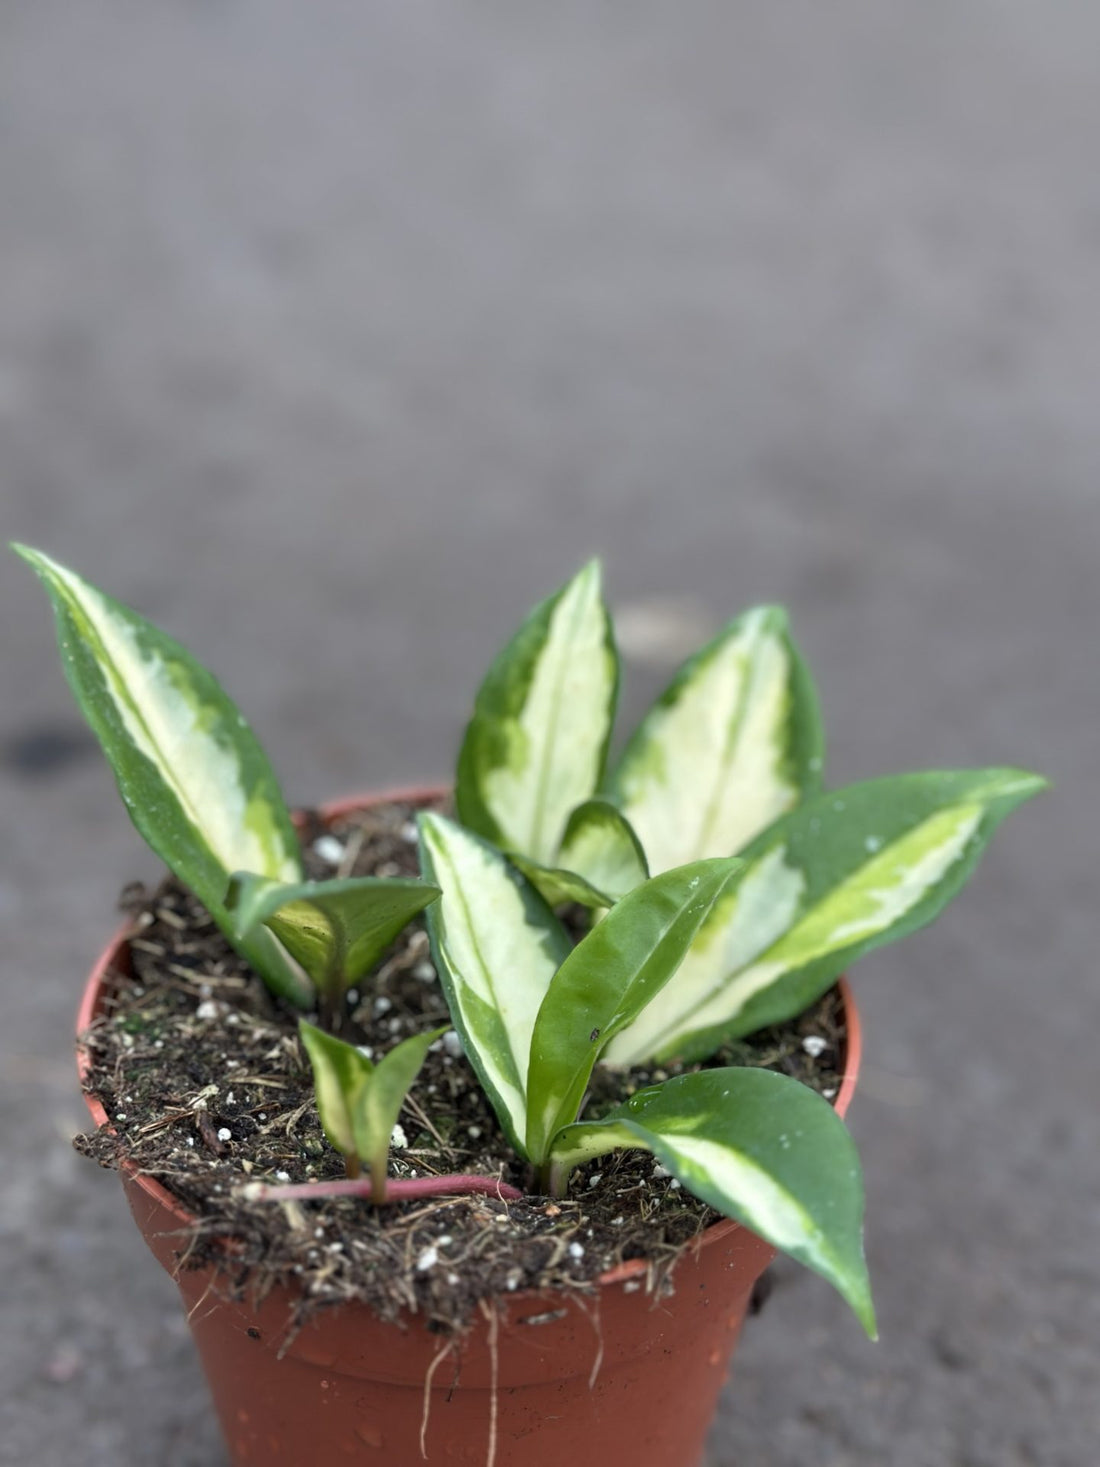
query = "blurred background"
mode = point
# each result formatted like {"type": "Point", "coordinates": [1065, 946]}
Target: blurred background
{"type": "Point", "coordinates": [332, 334]}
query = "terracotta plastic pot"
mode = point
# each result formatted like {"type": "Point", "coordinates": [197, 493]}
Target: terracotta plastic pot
{"type": "Point", "coordinates": [624, 1379]}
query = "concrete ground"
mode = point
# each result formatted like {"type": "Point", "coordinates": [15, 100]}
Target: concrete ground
{"type": "Point", "coordinates": [331, 334]}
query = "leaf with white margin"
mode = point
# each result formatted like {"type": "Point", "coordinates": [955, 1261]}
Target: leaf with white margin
{"type": "Point", "coordinates": [338, 929]}
{"type": "Point", "coordinates": [191, 772]}
{"type": "Point", "coordinates": [606, 981]}
{"type": "Point", "coordinates": [758, 1147]}
{"type": "Point", "coordinates": [844, 873]}
{"type": "Point", "coordinates": [537, 743]}
{"type": "Point", "coordinates": [733, 743]}
{"type": "Point", "coordinates": [496, 946]}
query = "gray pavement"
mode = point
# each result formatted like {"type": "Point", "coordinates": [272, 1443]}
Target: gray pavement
{"type": "Point", "coordinates": [330, 334]}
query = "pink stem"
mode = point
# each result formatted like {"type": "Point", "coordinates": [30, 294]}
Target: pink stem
{"type": "Point", "coordinates": [396, 1191]}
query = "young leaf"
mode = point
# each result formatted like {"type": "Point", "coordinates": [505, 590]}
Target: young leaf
{"type": "Point", "coordinates": [760, 1148]}
{"type": "Point", "coordinates": [600, 860]}
{"type": "Point", "coordinates": [734, 742]}
{"type": "Point", "coordinates": [496, 946]}
{"type": "Point", "coordinates": [600, 845]}
{"type": "Point", "coordinates": [359, 1102]}
{"type": "Point", "coordinates": [606, 981]}
{"type": "Point", "coordinates": [337, 930]}
{"type": "Point", "coordinates": [191, 772]}
{"type": "Point", "coordinates": [557, 887]}
{"type": "Point", "coordinates": [339, 1070]}
{"type": "Point", "coordinates": [842, 874]}
{"type": "Point", "coordinates": [379, 1100]}
{"type": "Point", "coordinates": [537, 743]}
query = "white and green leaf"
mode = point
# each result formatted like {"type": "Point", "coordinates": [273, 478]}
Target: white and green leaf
{"type": "Point", "coordinates": [559, 888]}
{"type": "Point", "coordinates": [496, 946]}
{"type": "Point", "coordinates": [758, 1147]}
{"type": "Point", "coordinates": [192, 774]}
{"type": "Point", "coordinates": [600, 844]}
{"type": "Point", "coordinates": [733, 743]}
{"type": "Point", "coordinates": [606, 981]}
{"type": "Point", "coordinates": [337, 930]}
{"type": "Point", "coordinates": [537, 743]}
{"type": "Point", "coordinates": [844, 873]}
{"type": "Point", "coordinates": [600, 859]}
{"type": "Point", "coordinates": [339, 1072]}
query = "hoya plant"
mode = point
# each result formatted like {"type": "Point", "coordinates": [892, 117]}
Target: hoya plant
{"type": "Point", "coordinates": [727, 890]}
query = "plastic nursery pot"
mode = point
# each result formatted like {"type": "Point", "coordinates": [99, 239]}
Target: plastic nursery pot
{"type": "Point", "coordinates": [621, 1379]}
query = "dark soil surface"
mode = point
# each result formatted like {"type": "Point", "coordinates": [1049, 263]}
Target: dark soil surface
{"type": "Point", "coordinates": [208, 1089]}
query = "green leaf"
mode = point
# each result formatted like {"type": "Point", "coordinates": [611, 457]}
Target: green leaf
{"type": "Point", "coordinates": [339, 1070]}
{"type": "Point", "coordinates": [496, 946]}
{"type": "Point", "coordinates": [842, 874]}
{"type": "Point", "coordinates": [760, 1148]}
{"type": "Point", "coordinates": [537, 743]}
{"type": "Point", "coordinates": [379, 1100]}
{"type": "Point", "coordinates": [191, 772]}
{"type": "Point", "coordinates": [732, 744]}
{"type": "Point", "coordinates": [606, 981]}
{"type": "Point", "coordinates": [337, 930]}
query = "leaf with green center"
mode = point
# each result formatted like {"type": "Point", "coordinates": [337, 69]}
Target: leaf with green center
{"type": "Point", "coordinates": [537, 743]}
{"type": "Point", "coordinates": [337, 930]}
{"type": "Point", "coordinates": [732, 744]}
{"type": "Point", "coordinates": [190, 771]}
{"type": "Point", "coordinates": [496, 946]}
{"type": "Point", "coordinates": [378, 1103]}
{"type": "Point", "coordinates": [606, 981]}
{"type": "Point", "coordinates": [339, 1071]}
{"type": "Point", "coordinates": [760, 1148]}
{"type": "Point", "coordinates": [842, 874]}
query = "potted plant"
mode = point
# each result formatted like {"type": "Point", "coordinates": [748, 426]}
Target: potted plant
{"type": "Point", "coordinates": [546, 1128]}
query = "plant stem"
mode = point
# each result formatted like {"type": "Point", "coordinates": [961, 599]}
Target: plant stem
{"type": "Point", "coordinates": [554, 1178]}
{"type": "Point", "coordinates": [396, 1191]}
{"type": "Point", "coordinates": [329, 1009]}
{"type": "Point", "coordinates": [352, 1167]}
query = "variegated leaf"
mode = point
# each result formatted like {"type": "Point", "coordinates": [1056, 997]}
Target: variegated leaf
{"type": "Point", "coordinates": [337, 930]}
{"type": "Point", "coordinates": [559, 888]}
{"type": "Point", "coordinates": [537, 743]}
{"type": "Point", "coordinates": [191, 772]}
{"type": "Point", "coordinates": [600, 860]}
{"type": "Point", "coordinates": [606, 981]}
{"type": "Point", "coordinates": [600, 845]}
{"type": "Point", "coordinates": [496, 946]}
{"type": "Point", "coordinates": [844, 873]}
{"type": "Point", "coordinates": [733, 743]}
{"type": "Point", "coordinates": [758, 1147]}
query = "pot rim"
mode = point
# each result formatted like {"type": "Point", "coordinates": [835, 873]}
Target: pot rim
{"type": "Point", "coordinates": [87, 1012]}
